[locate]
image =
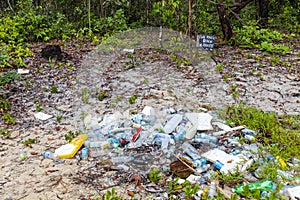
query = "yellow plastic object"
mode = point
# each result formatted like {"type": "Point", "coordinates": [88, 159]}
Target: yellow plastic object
{"type": "Point", "coordinates": [281, 161]}
{"type": "Point", "coordinates": [69, 150]}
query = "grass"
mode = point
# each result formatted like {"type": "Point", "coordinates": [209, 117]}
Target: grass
{"type": "Point", "coordinates": [279, 134]}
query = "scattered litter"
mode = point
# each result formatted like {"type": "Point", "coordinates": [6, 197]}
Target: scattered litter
{"type": "Point", "coordinates": [23, 71]}
{"type": "Point", "coordinates": [42, 116]}
{"type": "Point", "coordinates": [69, 150]}
{"type": "Point", "coordinates": [192, 146]}
{"type": "Point", "coordinates": [128, 50]}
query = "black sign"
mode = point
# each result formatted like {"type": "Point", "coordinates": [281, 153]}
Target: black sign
{"type": "Point", "coordinates": [206, 42]}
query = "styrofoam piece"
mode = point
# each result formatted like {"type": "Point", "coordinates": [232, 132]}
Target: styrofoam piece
{"type": "Point", "coordinates": [294, 192]}
{"type": "Point", "coordinates": [204, 122]}
{"type": "Point", "coordinates": [128, 50]}
{"type": "Point", "coordinates": [148, 110]}
{"type": "Point", "coordinates": [42, 116]}
{"type": "Point", "coordinates": [23, 71]}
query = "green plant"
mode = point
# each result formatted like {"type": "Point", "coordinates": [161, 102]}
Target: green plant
{"type": "Point", "coordinates": [59, 118]}
{"type": "Point", "coordinates": [69, 136]}
{"type": "Point", "coordinates": [190, 190]}
{"type": "Point", "coordinates": [280, 135]}
{"type": "Point", "coordinates": [4, 104]}
{"type": "Point", "coordinates": [39, 107]}
{"type": "Point", "coordinates": [155, 175]}
{"type": "Point", "coordinates": [219, 67]}
{"type": "Point", "coordinates": [54, 89]}
{"type": "Point", "coordinates": [251, 36]}
{"type": "Point", "coordinates": [8, 77]}
{"type": "Point", "coordinates": [69, 66]}
{"type": "Point", "coordinates": [102, 95]}
{"type": "Point", "coordinates": [85, 92]}
{"type": "Point", "coordinates": [5, 133]}
{"type": "Point", "coordinates": [111, 195]}
{"type": "Point", "coordinates": [29, 141]}
{"type": "Point", "coordinates": [117, 99]}
{"type": "Point", "coordinates": [8, 118]}
{"type": "Point", "coordinates": [133, 98]}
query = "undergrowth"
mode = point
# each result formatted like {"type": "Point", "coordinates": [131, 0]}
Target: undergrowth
{"type": "Point", "coordinates": [279, 134]}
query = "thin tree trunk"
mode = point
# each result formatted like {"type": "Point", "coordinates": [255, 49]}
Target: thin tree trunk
{"type": "Point", "coordinates": [89, 12]}
{"type": "Point", "coordinates": [263, 11]}
{"type": "Point", "coordinates": [190, 19]}
{"type": "Point", "coordinates": [225, 22]}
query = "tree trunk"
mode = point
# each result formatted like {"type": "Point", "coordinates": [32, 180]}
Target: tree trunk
{"type": "Point", "coordinates": [225, 22]}
{"type": "Point", "coordinates": [263, 11]}
{"type": "Point", "coordinates": [89, 13]}
{"type": "Point", "coordinates": [190, 19]}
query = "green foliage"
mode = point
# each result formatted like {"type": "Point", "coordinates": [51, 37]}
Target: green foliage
{"type": "Point", "coordinates": [59, 118]}
{"type": "Point", "coordinates": [175, 187]}
{"type": "Point", "coordinates": [8, 77]}
{"type": "Point", "coordinates": [54, 89]}
{"type": "Point", "coordinates": [279, 134]}
{"type": "Point", "coordinates": [133, 98]}
{"type": "Point", "coordinates": [251, 36]}
{"type": "Point", "coordinates": [29, 141]}
{"type": "Point", "coordinates": [8, 118]}
{"type": "Point", "coordinates": [71, 135]}
{"type": "Point", "coordinates": [111, 195]}
{"type": "Point", "coordinates": [155, 175]}
{"type": "Point", "coordinates": [102, 95]}
{"type": "Point", "coordinates": [5, 133]}
{"type": "Point", "coordinates": [4, 104]}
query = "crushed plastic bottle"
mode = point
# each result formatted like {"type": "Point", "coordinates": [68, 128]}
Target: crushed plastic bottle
{"type": "Point", "coordinates": [263, 185]}
{"type": "Point", "coordinates": [212, 190]}
{"type": "Point", "coordinates": [49, 155]}
{"type": "Point", "coordinates": [163, 140]}
{"type": "Point", "coordinates": [171, 125]}
{"type": "Point", "coordinates": [190, 150]}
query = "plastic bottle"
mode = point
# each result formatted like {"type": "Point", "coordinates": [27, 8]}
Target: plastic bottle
{"type": "Point", "coordinates": [171, 125]}
{"type": "Point", "coordinates": [22, 155]}
{"type": "Point", "coordinates": [84, 153]}
{"type": "Point", "coordinates": [96, 152]}
{"type": "Point", "coordinates": [190, 150]}
{"type": "Point", "coordinates": [122, 159]}
{"type": "Point", "coordinates": [49, 155]}
{"type": "Point", "coordinates": [212, 190]}
{"type": "Point", "coordinates": [163, 140]}
{"type": "Point", "coordinates": [263, 185]}
{"type": "Point", "coordinates": [209, 137]}
{"type": "Point", "coordinates": [248, 132]}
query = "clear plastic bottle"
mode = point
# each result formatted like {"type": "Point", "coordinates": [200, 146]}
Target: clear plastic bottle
{"type": "Point", "coordinates": [190, 150]}
{"type": "Point", "coordinates": [122, 159]}
{"type": "Point", "coordinates": [171, 125]}
{"type": "Point", "coordinates": [163, 140]}
{"type": "Point", "coordinates": [49, 155]}
{"type": "Point", "coordinates": [212, 190]}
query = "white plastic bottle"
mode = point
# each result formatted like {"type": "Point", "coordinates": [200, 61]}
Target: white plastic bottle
{"type": "Point", "coordinates": [172, 123]}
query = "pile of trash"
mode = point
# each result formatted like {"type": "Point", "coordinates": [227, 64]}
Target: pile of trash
{"type": "Point", "coordinates": [197, 147]}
